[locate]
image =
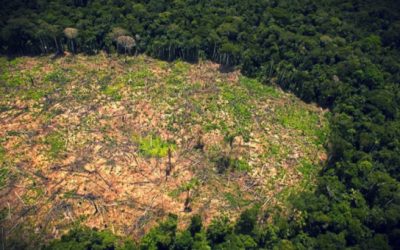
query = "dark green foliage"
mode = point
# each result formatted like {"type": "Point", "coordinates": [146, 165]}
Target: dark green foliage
{"type": "Point", "coordinates": [163, 236]}
{"type": "Point", "coordinates": [84, 238]}
{"type": "Point", "coordinates": [195, 225]}
{"type": "Point", "coordinates": [247, 221]}
{"type": "Point", "coordinates": [183, 241]}
{"type": "Point", "coordinates": [343, 55]}
{"type": "Point", "coordinates": [219, 229]}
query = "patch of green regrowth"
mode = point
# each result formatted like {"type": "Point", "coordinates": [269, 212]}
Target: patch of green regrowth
{"type": "Point", "coordinates": [240, 107]}
{"type": "Point", "coordinates": [113, 91]}
{"type": "Point", "coordinates": [56, 142]}
{"type": "Point", "coordinates": [57, 76]}
{"type": "Point", "coordinates": [308, 170]}
{"type": "Point", "coordinates": [16, 61]}
{"type": "Point", "coordinates": [274, 149]}
{"type": "Point", "coordinates": [244, 132]}
{"type": "Point", "coordinates": [162, 64]}
{"type": "Point", "coordinates": [13, 79]}
{"type": "Point", "coordinates": [34, 94]}
{"type": "Point", "coordinates": [179, 67]}
{"type": "Point", "coordinates": [211, 126]}
{"type": "Point", "coordinates": [258, 89]}
{"type": "Point", "coordinates": [178, 74]}
{"type": "Point", "coordinates": [296, 117]}
{"type": "Point", "coordinates": [153, 146]}
{"type": "Point", "coordinates": [138, 78]}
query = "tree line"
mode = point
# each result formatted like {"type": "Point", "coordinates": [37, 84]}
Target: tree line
{"type": "Point", "coordinates": [343, 55]}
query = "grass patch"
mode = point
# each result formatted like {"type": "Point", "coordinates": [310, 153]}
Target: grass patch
{"type": "Point", "coordinates": [178, 74]}
{"type": "Point", "coordinates": [57, 76]}
{"type": "Point", "coordinates": [13, 79]}
{"type": "Point", "coordinates": [56, 142]}
{"type": "Point", "coordinates": [308, 122]}
{"type": "Point", "coordinates": [180, 67]}
{"type": "Point", "coordinates": [16, 61]}
{"type": "Point", "coordinates": [239, 106]}
{"type": "Point", "coordinates": [309, 171]}
{"type": "Point", "coordinates": [113, 91]}
{"type": "Point", "coordinates": [274, 149]}
{"type": "Point", "coordinates": [258, 89]}
{"type": "Point", "coordinates": [138, 78]}
{"type": "Point", "coordinates": [154, 146]}
{"type": "Point", "coordinates": [35, 94]}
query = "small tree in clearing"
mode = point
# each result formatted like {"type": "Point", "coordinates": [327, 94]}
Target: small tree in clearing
{"type": "Point", "coordinates": [126, 42]}
{"type": "Point", "coordinates": [71, 34]}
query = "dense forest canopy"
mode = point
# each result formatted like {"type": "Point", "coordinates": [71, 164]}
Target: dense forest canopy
{"type": "Point", "coordinates": [341, 54]}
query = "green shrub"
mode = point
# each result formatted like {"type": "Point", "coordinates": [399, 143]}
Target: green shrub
{"type": "Point", "coordinates": [56, 142]}
{"type": "Point", "coordinates": [154, 146]}
{"type": "Point", "coordinates": [85, 238]}
{"type": "Point", "coordinates": [113, 91]}
{"type": "Point", "coordinates": [161, 237]}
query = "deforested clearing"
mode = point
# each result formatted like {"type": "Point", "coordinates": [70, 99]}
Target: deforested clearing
{"type": "Point", "coordinates": [119, 142]}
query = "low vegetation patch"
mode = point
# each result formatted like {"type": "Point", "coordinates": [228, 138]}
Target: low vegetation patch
{"type": "Point", "coordinates": [154, 146]}
{"type": "Point", "coordinates": [56, 143]}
